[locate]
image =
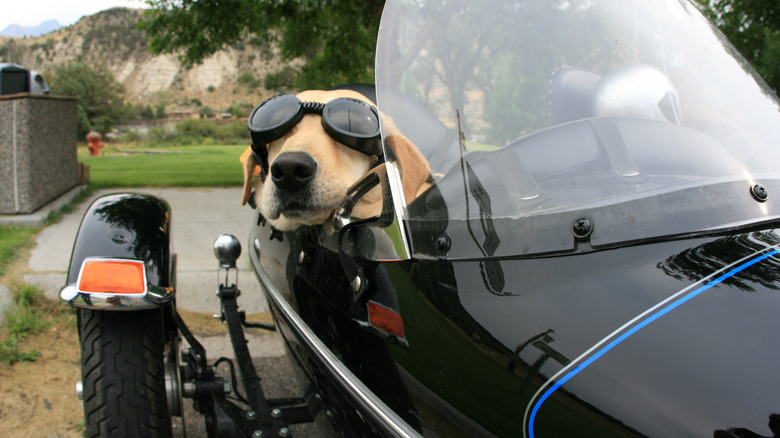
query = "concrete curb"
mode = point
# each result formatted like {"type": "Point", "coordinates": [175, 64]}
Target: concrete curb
{"type": "Point", "coordinates": [38, 217]}
{"type": "Point", "coordinates": [6, 302]}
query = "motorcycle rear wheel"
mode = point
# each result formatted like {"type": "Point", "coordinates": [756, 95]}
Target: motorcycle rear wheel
{"type": "Point", "coordinates": [123, 375]}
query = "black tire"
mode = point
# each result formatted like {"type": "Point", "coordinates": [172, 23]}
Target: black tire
{"type": "Point", "coordinates": [122, 373]}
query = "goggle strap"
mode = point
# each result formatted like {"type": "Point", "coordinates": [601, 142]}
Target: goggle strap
{"type": "Point", "coordinates": [262, 160]}
{"type": "Point", "coordinates": [312, 107]}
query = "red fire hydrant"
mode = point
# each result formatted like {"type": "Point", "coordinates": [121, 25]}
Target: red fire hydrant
{"type": "Point", "coordinates": [94, 144]}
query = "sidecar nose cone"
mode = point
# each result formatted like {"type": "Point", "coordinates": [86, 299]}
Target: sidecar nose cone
{"type": "Point", "coordinates": [227, 249]}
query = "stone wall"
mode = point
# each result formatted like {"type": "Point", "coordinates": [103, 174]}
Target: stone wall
{"type": "Point", "coordinates": [37, 150]}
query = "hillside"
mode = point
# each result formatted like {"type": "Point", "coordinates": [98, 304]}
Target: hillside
{"type": "Point", "coordinates": [231, 77]}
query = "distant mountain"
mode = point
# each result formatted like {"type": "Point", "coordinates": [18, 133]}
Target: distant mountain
{"type": "Point", "coordinates": [15, 30]}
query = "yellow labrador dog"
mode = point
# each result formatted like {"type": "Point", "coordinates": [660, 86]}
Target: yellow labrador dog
{"type": "Point", "coordinates": [309, 149]}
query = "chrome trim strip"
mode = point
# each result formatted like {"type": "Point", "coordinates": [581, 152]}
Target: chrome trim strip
{"type": "Point", "coordinates": [399, 201]}
{"type": "Point", "coordinates": [345, 377]}
{"type": "Point", "coordinates": [152, 299]}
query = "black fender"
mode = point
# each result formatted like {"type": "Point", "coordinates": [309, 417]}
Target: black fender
{"type": "Point", "coordinates": [125, 227]}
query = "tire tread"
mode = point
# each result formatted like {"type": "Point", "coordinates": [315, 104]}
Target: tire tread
{"type": "Point", "coordinates": [122, 372]}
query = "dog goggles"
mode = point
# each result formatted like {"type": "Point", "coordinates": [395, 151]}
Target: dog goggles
{"type": "Point", "coordinates": [351, 122]}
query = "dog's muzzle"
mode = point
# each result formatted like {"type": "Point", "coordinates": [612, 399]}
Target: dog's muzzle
{"type": "Point", "coordinates": [293, 171]}
{"type": "Point", "coordinates": [292, 177]}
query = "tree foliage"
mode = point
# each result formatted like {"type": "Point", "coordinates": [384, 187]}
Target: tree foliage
{"type": "Point", "coordinates": [100, 97]}
{"type": "Point", "coordinates": [753, 26]}
{"type": "Point", "coordinates": [335, 37]}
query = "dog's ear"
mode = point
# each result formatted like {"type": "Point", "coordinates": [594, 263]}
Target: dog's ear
{"type": "Point", "coordinates": [251, 169]}
{"type": "Point", "coordinates": [413, 166]}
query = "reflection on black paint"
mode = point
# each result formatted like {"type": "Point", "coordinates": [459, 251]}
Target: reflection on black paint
{"type": "Point", "coordinates": [492, 273]}
{"type": "Point", "coordinates": [542, 342]}
{"type": "Point", "coordinates": [493, 277]}
{"type": "Point", "coordinates": [143, 218]}
{"type": "Point", "coordinates": [491, 242]}
{"type": "Point", "coordinates": [696, 263]}
{"type": "Point", "coordinates": [127, 226]}
{"type": "Point", "coordinates": [738, 432]}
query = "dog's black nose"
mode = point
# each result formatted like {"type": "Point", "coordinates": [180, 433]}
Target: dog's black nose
{"type": "Point", "coordinates": [293, 170]}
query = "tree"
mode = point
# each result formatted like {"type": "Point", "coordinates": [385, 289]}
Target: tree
{"type": "Point", "coordinates": [753, 26]}
{"type": "Point", "coordinates": [100, 97]}
{"type": "Point", "coordinates": [336, 37]}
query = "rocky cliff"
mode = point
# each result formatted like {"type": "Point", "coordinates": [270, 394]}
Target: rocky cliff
{"type": "Point", "coordinates": [231, 77]}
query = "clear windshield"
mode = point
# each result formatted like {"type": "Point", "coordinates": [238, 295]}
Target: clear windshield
{"type": "Point", "coordinates": [633, 114]}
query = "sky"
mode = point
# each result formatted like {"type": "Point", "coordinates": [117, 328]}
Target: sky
{"type": "Point", "coordinates": [66, 12]}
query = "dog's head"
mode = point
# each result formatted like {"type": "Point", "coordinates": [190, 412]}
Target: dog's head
{"type": "Point", "coordinates": [309, 171]}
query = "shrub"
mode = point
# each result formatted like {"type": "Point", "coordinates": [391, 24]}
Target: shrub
{"type": "Point", "coordinates": [196, 128]}
{"type": "Point", "coordinates": [247, 79]}
{"type": "Point", "coordinates": [281, 80]}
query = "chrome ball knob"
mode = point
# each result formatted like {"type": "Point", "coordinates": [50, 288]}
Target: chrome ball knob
{"type": "Point", "coordinates": [227, 249]}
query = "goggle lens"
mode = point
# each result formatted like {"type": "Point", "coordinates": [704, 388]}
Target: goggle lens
{"type": "Point", "coordinates": [274, 118]}
{"type": "Point", "coordinates": [351, 119]}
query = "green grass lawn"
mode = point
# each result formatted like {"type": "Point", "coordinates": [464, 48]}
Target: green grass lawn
{"type": "Point", "coordinates": [180, 166]}
{"type": "Point", "coordinates": [13, 238]}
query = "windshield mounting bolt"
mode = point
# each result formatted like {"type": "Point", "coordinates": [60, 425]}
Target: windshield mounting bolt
{"type": "Point", "coordinates": [582, 228]}
{"type": "Point", "coordinates": [251, 415]}
{"type": "Point", "coordinates": [759, 193]}
{"type": "Point", "coordinates": [443, 244]}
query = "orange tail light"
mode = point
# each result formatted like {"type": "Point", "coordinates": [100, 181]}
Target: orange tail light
{"type": "Point", "coordinates": [112, 276]}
